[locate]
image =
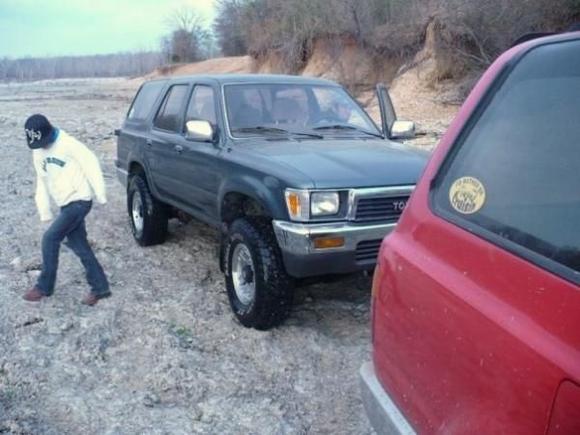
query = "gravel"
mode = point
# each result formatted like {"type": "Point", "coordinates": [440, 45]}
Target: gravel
{"type": "Point", "coordinates": [164, 354]}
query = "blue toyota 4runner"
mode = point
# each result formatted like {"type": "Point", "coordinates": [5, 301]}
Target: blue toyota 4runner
{"type": "Point", "coordinates": [297, 177]}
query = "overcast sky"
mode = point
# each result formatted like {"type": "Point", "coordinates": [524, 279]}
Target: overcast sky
{"type": "Point", "coordinates": [62, 27]}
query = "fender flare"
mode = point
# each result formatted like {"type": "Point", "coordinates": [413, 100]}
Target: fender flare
{"type": "Point", "coordinates": [270, 198]}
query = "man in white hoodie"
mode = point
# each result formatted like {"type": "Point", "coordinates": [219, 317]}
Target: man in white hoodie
{"type": "Point", "coordinates": [69, 172]}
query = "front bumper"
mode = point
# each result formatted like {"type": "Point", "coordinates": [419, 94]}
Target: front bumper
{"type": "Point", "coordinates": [382, 412]}
{"type": "Point", "coordinates": [302, 259]}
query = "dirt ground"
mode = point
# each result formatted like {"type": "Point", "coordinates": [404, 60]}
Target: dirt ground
{"type": "Point", "coordinates": [164, 354]}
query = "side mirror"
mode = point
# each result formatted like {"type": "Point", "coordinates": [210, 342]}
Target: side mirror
{"type": "Point", "coordinates": [199, 130]}
{"type": "Point", "coordinates": [403, 130]}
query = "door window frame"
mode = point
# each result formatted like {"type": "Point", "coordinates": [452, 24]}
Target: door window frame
{"type": "Point", "coordinates": [520, 251]}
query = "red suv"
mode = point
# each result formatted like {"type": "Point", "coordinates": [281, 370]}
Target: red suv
{"type": "Point", "coordinates": [476, 296]}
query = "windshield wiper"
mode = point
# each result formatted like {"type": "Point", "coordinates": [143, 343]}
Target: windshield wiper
{"type": "Point", "coordinates": [346, 127]}
{"type": "Point", "coordinates": [262, 129]}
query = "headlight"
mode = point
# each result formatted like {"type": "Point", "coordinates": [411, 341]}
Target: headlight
{"type": "Point", "coordinates": [303, 204]}
{"type": "Point", "coordinates": [324, 203]}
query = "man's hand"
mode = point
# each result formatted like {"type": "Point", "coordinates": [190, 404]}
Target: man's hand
{"type": "Point", "coordinates": [46, 217]}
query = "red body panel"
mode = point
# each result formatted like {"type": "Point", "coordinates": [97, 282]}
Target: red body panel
{"type": "Point", "coordinates": [467, 337]}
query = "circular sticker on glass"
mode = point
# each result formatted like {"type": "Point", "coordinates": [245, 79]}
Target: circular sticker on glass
{"type": "Point", "coordinates": [467, 195]}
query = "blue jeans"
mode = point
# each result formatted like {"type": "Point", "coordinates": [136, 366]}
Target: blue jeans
{"type": "Point", "coordinates": [70, 224]}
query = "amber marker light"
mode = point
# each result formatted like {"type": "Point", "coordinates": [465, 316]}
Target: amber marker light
{"type": "Point", "coordinates": [328, 242]}
{"type": "Point", "coordinates": [298, 202]}
{"type": "Point", "coordinates": [294, 204]}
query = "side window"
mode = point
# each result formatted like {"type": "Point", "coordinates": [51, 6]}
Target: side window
{"type": "Point", "coordinates": [169, 115]}
{"type": "Point", "coordinates": [516, 174]}
{"type": "Point", "coordinates": [202, 105]}
{"type": "Point", "coordinates": [144, 100]}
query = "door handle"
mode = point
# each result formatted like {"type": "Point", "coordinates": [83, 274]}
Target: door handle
{"type": "Point", "coordinates": [149, 142]}
{"type": "Point", "coordinates": [178, 148]}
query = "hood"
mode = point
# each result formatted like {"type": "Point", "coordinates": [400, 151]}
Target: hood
{"type": "Point", "coordinates": [344, 163]}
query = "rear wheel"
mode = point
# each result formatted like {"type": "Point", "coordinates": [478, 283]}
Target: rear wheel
{"type": "Point", "coordinates": [258, 287]}
{"type": "Point", "coordinates": [147, 215]}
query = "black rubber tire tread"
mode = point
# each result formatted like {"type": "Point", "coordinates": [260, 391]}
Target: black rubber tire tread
{"type": "Point", "coordinates": [155, 215]}
{"type": "Point", "coordinates": [274, 288]}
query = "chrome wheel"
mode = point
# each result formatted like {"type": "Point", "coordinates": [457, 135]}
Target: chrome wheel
{"type": "Point", "coordinates": [137, 213]}
{"type": "Point", "coordinates": [243, 274]}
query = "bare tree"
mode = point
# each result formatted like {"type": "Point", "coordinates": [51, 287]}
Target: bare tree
{"type": "Point", "coordinates": [229, 27]}
{"type": "Point", "coordinates": [189, 40]}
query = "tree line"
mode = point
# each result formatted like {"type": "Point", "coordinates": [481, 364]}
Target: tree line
{"type": "Point", "coordinates": [108, 65]}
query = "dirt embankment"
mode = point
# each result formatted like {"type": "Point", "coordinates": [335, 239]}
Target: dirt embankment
{"type": "Point", "coordinates": [220, 65]}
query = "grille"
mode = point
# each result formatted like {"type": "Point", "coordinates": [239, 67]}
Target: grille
{"type": "Point", "coordinates": [380, 209]}
{"type": "Point", "coordinates": [367, 250]}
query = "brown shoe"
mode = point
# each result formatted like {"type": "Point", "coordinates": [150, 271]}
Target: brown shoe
{"type": "Point", "coordinates": [92, 299]}
{"type": "Point", "coordinates": [33, 295]}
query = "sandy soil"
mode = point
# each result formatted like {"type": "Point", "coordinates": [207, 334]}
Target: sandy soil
{"type": "Point", "coordinates": [220, 65]}
{"type": "Point", "coordinates": [164, 354]}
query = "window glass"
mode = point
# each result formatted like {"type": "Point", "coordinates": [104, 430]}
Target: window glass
{"type": "Point", "coordinates": [293, 107]}
{"type": "Point", "coordinates": [338, 107]}
{"type": "Point", "coordinates": [202, 104]}
{"type": "Point", "coordinates": [145, 99]}
{"type": "Point", "coordinates": [517, 172]}
{"type": "Point", "coordinates": [169, 114]}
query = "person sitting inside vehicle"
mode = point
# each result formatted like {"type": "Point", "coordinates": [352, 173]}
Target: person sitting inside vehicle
{"type": "Point", "coordinates": [250, 112]}
{"type": "Point", "coordinates": [341, 111]}
{"type": "Point", "coordinates": [286, 111]}
{"type": "Point", "coordinates": [338, 112]}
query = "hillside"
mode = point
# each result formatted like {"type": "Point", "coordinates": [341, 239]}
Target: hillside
{"type": "Point", "coordinates": [418, 93]}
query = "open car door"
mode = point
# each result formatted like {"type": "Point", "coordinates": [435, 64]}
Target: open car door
{"type": "Point", "coordinates": [392, 128]}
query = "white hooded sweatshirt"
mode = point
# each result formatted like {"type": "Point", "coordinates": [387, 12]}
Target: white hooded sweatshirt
{"type": "Point", "coordinates": [67, 171]}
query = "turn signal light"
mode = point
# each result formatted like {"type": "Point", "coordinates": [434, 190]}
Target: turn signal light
{"type": "Point", "coordinates": [328, 242]}
{"type": "Point", "coordinates": [294, 204]}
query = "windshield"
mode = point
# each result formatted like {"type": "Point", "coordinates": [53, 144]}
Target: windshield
{"type": "Point", "coordinates": [257, 109]}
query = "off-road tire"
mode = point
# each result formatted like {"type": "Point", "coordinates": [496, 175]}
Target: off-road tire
{"type": "Point", "coordinates": [274, 289]}
{"type": "Point", "coordinates": [155, 213]}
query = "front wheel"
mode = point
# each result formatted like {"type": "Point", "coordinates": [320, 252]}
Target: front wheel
{"type": "Point", "coordinates": [258, 287]}
{"type": "Point", "coordinates": [148, 216]}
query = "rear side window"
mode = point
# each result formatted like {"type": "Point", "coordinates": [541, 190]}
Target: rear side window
{"type": "Point", "coordinates": [516, 174]}
{"type": "Point", "coordinates": [169, 115]}
{"type": "Point", "coordinates": [144, 100]}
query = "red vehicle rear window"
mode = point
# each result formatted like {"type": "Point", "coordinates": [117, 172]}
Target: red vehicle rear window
{"type": "Point", "coordinates": [516, 173]}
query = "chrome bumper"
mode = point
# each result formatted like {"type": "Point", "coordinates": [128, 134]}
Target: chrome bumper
{"type": "Point", "coordinates": [382, 412]}
{"type": "Point", "coordinates": [298, 239]}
